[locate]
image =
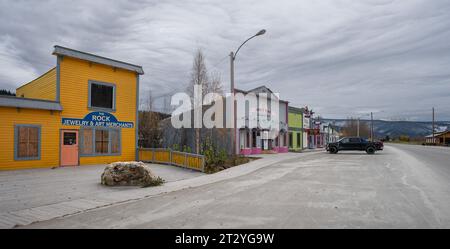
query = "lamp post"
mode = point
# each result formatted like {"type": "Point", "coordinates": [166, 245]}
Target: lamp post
{"type": "Point", "coordinates": [232, 59]}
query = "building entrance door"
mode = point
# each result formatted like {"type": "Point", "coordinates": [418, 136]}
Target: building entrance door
{"type": "Point", "coordinates": [69, 148]}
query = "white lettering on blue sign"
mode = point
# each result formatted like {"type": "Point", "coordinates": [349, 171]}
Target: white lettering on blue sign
{"type": "Point", "coordinates": [98, 119]}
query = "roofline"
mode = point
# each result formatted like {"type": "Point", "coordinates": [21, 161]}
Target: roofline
{"type": "Point", "coordinates": [26, 103]}
{"type": "Point", "coordinates": [438, 134]}
{"type": "Point", "coordinates": [296, 109]}
{"type": "Point", "coordinates": [42, 75]}
{"type": "Point", "coordinates": [59, 50]}
{"type": "Point", "coordinates": [243, 91]}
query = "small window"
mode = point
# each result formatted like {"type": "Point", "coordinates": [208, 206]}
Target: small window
{"type": "Point", "coordinates": [101, 95]}
{"type": "Point", "coordinates": [70, 138]}
{"type": "Point", "coordinates": [355, 140]}
{"type": "Point", "coordinates": [101, 141]}
{"type": "Point", "coordinates": [27, 145]}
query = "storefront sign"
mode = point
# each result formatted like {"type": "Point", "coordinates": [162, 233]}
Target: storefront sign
{"type": "Point", "coordinates": [98, 119]}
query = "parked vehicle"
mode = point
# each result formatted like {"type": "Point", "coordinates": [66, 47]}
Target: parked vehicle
{"type": "Point", "coordinates": [354, 143]}
{"type": "Point", "coordinates": [379, 145]}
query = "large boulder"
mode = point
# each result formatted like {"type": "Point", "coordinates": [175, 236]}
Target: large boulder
{"type": "Point", "coordinates": [128, 174]}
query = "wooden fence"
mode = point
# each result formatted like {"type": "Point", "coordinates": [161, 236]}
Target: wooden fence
{"type": "Point", "coordinates": [167, 156]}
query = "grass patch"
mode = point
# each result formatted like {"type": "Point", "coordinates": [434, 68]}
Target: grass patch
{"type": "Point", "coordinates": [228, 163]}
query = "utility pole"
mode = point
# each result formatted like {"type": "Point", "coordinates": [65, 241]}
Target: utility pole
{"type": "Point", "coordinates": [357, 130]}
{"type": "Point", "coordinates": [434, 141]}
{"type": "Point", "coordinates": [233, 140]}
{"type": "Point", "coordinates": [371, 126]}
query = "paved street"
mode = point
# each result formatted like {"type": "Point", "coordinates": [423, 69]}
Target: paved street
{"type": "Point", "coordinates": [401, 187]}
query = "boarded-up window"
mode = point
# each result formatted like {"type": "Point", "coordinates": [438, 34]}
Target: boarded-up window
{"type": "Point", "coordinates": [101, 141]}
{"type": "Point", "coordinates": [115, 141]}
{"type": "Point", "coordinates": [87, 147]}
{"type": "Point", "coordinates": [27, 142]}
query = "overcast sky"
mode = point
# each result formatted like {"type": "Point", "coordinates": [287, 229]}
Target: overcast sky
{"type": "Point", "coordinates": [341, 57]}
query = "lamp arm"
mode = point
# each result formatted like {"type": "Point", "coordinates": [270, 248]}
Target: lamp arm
{"type": "Point", "coordinates": [235, 54]}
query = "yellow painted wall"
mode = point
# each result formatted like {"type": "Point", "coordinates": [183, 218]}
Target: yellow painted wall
{"type": "Point", "coordinates": [49, 123]}
{"type": "Point", "coordinates": [43, 87]}
{"type": "Point", "coordinates": [74, 77]}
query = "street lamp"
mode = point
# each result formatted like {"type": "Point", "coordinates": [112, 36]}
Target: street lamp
{"type": "Point", "coordinates": [232, 59]}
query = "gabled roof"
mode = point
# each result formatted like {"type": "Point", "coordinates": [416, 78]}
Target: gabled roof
{"type": "Point", "coordinates": [11, 101]}
{"type": "Point", "coordinates": [261, 89]}
{"type": "Point", "coordinates": [297, 110]}
{"type": "Point", "coordinates": [97, 59]}
{"type": "Point", "coordinates": [437, 134]}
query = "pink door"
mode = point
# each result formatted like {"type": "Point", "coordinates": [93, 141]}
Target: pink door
{"type": "Point", "coordinates": [69, 148]}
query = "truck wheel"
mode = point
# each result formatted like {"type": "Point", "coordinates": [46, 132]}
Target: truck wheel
{"type": "Point", "coordinates": [333, 150]}
{"type": "Point", "coordinates": [370, 150]}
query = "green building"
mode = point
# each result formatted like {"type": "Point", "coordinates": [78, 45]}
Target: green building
{"type": "Point", "coordinates": [295, 122]}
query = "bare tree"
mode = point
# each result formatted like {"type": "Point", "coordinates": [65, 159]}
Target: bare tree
{"type": "Point", "coordinates": [199, 77]}
{"type": "Point", "coordinates": [199, 74]}
{"type": "Point", "coordinates": [209, 83]}
{"type": "Point", "coordinates": [215, 83]}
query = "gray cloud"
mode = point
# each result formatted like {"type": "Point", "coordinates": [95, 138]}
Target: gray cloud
{"type": "Point", "coordinates": [341, 57]}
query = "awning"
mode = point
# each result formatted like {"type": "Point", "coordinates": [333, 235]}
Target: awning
{"type": "Point", "coordinates": [8, 101]}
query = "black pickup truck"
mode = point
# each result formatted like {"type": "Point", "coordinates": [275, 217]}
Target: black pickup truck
{"type": "Point", "coordinates": [353, 143]}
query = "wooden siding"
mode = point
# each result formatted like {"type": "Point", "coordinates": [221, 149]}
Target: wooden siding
{"type": "Point", "coordinates": [49, 123]}
{"type": "Point", "coordinates": [43, 87]}
{"type": "Point", "coordinates": [75, 75]}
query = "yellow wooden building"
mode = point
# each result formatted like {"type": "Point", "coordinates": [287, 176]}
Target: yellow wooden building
{"type": "Point", "coordinates": [82, 111]}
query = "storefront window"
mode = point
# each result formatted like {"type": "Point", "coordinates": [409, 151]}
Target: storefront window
{"type": "Point", "coordinates": [101, 95]}
{"type": "Point", "coordinates": [27, 146]}
{"type": "Point", "coordinates": [100, 141]}
{"type": "Point", "coordinates": [87, 147]}
{"type": "Point", "coordinates": [298, 140]}
{"type": "Point", "coordinates": [242, 135]}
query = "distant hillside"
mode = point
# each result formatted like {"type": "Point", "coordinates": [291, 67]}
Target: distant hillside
{"type": "Point", "coordinates": [396, 128]}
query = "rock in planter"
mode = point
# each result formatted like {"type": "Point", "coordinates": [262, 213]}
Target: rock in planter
{"type": "Point", "coordinates": [129, 174]}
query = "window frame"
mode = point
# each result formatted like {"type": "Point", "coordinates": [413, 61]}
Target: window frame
{"type": "Point", "coordinates": [16, 142]}
{"type": "Point", "coordinates": [94, 153]}
{"type": "Point", "coordinates": [90, 107]}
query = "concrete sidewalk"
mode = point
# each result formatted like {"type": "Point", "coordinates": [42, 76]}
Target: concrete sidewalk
{"type": "Point", "coordinates": [37, 195]}
{"type": "Point", "coordinates": [65, 189]}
